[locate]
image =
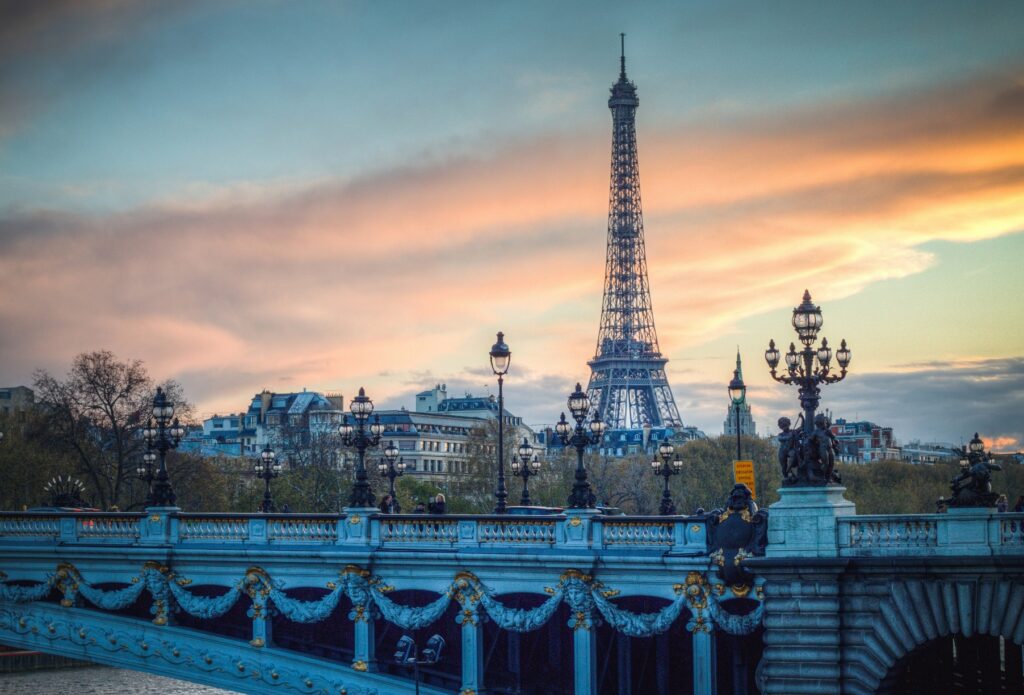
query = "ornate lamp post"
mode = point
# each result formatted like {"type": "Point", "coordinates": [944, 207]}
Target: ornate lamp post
{"type": "Point", "coordinates": [580, 437]}
{"type": "Point", "coordinates": [737, 391]}
{"type": "Point", "coordinates": [804, 455]}
{"type": "Point", "coordinates": [810, 367]}
{"type": "Point", "coordinates": [392, 467]}
{"type": "Point", "coordinates": [163, 436]}
{"type": "Point", "coordinates": [666, 470]}
{"type": "Point", "coordinates": [267, 467]}
{"type": "Point", "coordinates": [526, 465]}
{"type": "Point", "coordinates": [501, 357]}
{"type": "Point", "coordinates": [146, 473]}
{"type": "Point", "coordinates": [362, 437]}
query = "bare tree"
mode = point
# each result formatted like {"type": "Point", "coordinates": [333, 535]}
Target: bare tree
{"type": "Point", "coordinates": [95, 414]}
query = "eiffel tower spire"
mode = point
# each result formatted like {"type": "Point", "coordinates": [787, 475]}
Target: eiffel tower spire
{"type": "Point", "coordinates": [627, 381]}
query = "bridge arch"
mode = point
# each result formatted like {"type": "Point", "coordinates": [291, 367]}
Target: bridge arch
{"type": "Point", "coordinates": [883, 622]}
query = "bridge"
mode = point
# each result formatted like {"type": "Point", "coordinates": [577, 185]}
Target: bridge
{"type": "Point", "coordinates": [575, 602]}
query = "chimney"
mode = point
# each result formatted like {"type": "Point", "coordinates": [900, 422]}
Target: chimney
{"type": "Point", "coordinates": [336, 400]}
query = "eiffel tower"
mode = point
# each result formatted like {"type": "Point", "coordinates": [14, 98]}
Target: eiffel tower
{"type": "Point", "coordinates": [628, 386]}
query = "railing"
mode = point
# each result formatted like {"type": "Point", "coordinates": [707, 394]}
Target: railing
{"type": "Point", "coordinates": [899, 532]}
{"type": "Point", "coordinates": [214, 527]}
{"type": "Point", "coordinates": [679, 535]}
{"type": "Point", "coordinates": [1011, 529]}
{"type": "Point", "coordinates": [418, 529]}
{"type": "Point", "coordinates": [958, 532]}
{"type": "Point", "coordinates": [109, 526]}
{"type": "Point", "coordinates": [516, 532]}
{"type": "Point", "coordinates": [303, 529]}
{"type": "Point", "coordinates": [29, 525]}
{"type": "Point", "coordinates": [634, 531]}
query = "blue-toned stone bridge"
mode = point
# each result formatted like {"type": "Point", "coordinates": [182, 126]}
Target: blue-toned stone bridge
{"type": "Point", "coordinates": [569, 603]}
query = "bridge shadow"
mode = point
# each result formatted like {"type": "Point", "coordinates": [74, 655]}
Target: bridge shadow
{"type": "Point", "coordinates": [958, 665]}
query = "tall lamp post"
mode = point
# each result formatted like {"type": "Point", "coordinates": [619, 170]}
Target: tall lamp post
{"type": "Point", "coordinates": [809, 368]}
{"type": "Point", "coordinates": [501, 357]}
{"type": "Point", "coordinates": [525, 465]}
{"type": "Point", "coordinates": [392, 467]}
{"type": "Point", "coordinates": [162, 436]}
{"type": "Point", "coordinates": [737, 392]}
{"type": "Point", "coordinates": [582, 497]}
{"type": "Point", "coordinates": [362, 437]}
{"type": "Point", "coordinates": [666, 469]}
{"type": "Point", "coordinates": [267, 467]}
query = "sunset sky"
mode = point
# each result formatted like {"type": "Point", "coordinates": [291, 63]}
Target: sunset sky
{"type": "Point", "coordinates": [329, 195]}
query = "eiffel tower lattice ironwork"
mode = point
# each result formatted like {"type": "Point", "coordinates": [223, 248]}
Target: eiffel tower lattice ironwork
{"type": "Point", "coordinates": [628, 386]}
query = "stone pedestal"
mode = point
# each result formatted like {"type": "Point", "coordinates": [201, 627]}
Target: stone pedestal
{"type": "Point", "coordinates": [578, 524]}
{"type": "Point", "coordinates": [803, 522]}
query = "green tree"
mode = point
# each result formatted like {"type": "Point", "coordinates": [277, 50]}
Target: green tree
{"type": "Point", "coordinates": [25, 464]}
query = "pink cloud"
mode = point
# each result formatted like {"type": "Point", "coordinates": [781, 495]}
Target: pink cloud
{"type": "Point", "coordinates": [413, 270]}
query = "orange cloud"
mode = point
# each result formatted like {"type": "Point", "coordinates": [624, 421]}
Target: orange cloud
{"type": "Point", "coordinates": [412, 271]}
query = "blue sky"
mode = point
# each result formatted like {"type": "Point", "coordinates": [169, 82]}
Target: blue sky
{"type": "Point", "coordinates": [280, 195]}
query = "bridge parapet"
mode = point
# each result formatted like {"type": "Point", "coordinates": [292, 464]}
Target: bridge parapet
{"type": "Point", "coordinates": [657, 535]}
{"type": "Point", "coordinates": [959, 532]}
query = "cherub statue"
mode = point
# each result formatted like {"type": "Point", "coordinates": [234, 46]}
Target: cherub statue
{"type": "Point", "coordinates": [789, 446]}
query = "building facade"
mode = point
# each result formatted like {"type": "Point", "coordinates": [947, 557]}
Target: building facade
{"type": "Point", "coordinates": [16, 399]}
{"type": "Point", "coordinates": [864, 441]}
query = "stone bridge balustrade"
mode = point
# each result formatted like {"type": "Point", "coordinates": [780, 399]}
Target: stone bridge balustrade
{"type": "Point", "coordinates": [849, 597]}
{"type": "Point", "coordinates": [161, 557]}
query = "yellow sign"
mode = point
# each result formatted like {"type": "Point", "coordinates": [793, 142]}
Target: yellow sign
{"type": "Point", "coordinates": [743, 472]}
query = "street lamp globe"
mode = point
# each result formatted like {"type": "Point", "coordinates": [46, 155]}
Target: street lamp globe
{"type": "Point", "coordinates": [391, 452]}
{"type": "Point", "coordinates": [345, 428]}
{"type": "Point", "coordinates": [501, 356]}
{"type": "Point", "coordinates": [525, 450]}
{"type": "Point", "coordinates": [666, 450]}
{"type": "Point", "coordinates": [771, 355]}
{"type": "Point", "coordinates": [514, 465]}
{"type": "Point", "coordinates": [807, 320]}
{"type": "Point", "coordinates": [377, 428]}
{"type": "Point", "coordinates": [824, 353]}
{"type": "Point", "coordinates": [382, 467]}
{"type": "Point", "coordinates": [562, 427]}
{"type": "Point", "coordinates": [597, 426]}
{"type": "Point", "coordinates": [976, 446]}
{"type": "Point", "coordinates": [579, 403]}
{"type": "Point", "coordinates": [792, 358]}
{"type": "Point", "coordinates": [737, 389]}
{"type": "Point", "coordinates": [535, 463]}
{"type": "Point", "coordinates": [361, 406]}
{"type": "Point", "coordinates": [843, 355]}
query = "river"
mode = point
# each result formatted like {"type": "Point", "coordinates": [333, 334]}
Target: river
{"type": "Point", "coordinates": [98, 680]}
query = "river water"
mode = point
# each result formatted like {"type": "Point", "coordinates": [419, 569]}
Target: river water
{"type": "Point", "coordinates": [97, 680]}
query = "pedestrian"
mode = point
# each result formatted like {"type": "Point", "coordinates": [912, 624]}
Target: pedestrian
{"type": "Point", "coordinates": [1002, 504]}
{"type": "Point", "coordinates": [419, 508]}
{"type": "Point", "coordinates": [438, 506]}
{"type": "Point", "coordinates": [1019, 507]}
{"type": "Point", "coordinates": [387, 505]}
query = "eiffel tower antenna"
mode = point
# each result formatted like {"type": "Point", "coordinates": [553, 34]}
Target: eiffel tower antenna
{"type": "Point", "coordinates": [628, 386]}
{"type": "Point", "coordinates": [622, 57]}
